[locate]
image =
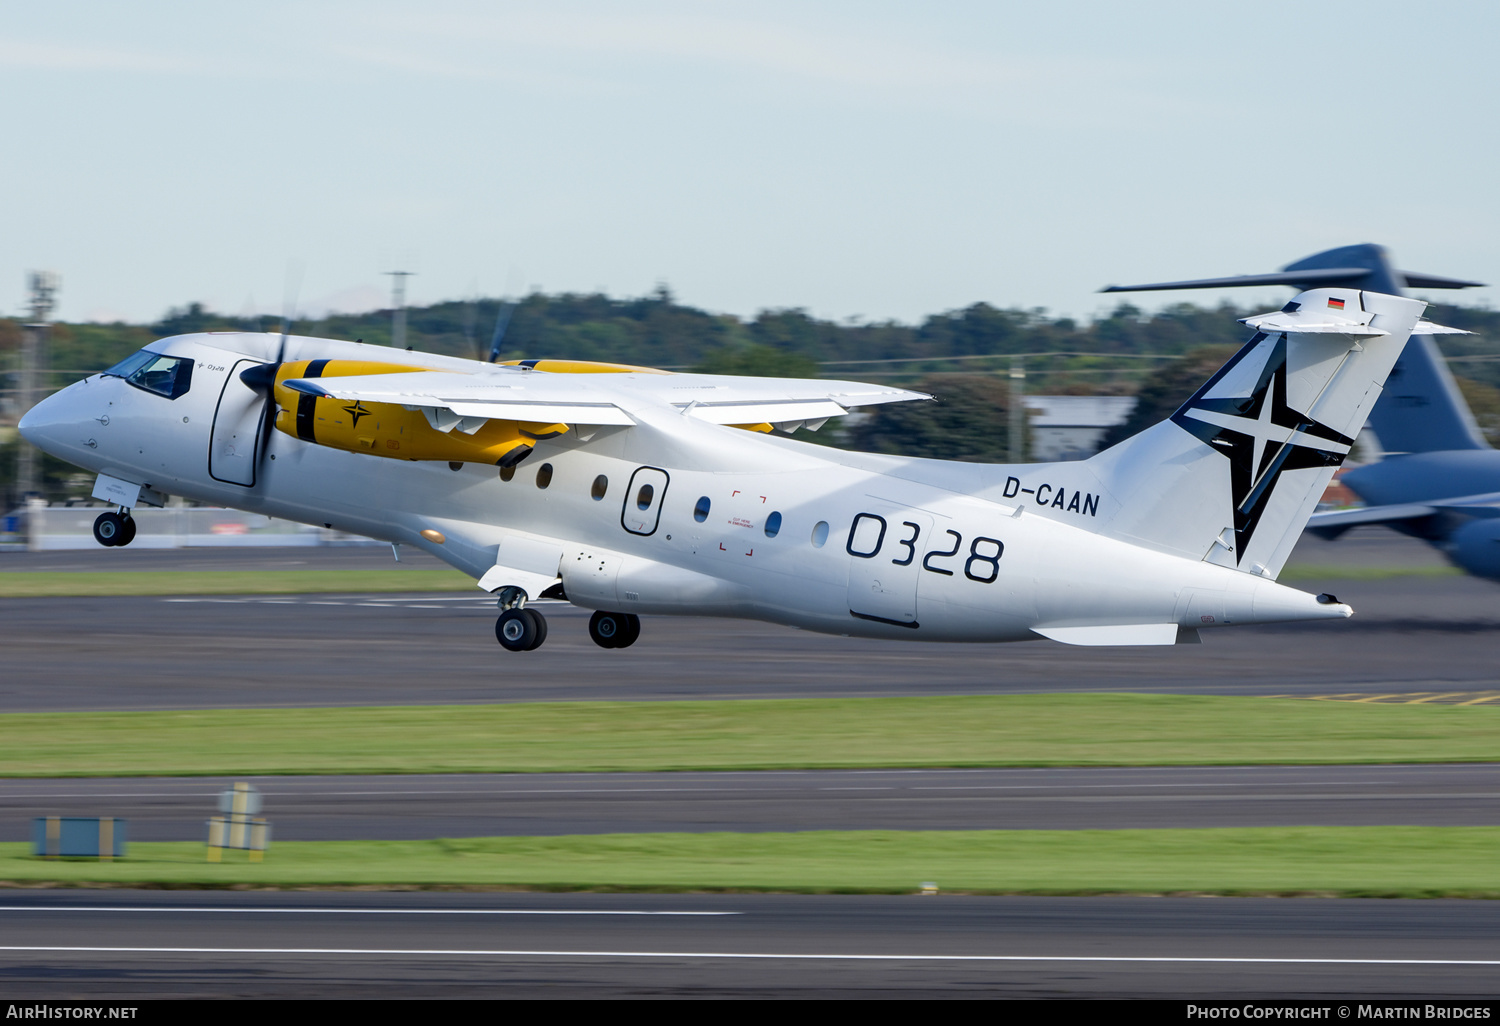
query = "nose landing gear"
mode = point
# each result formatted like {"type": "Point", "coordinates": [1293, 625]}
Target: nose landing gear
{"type": "Point", "coordinates": [113, 529]}
{"type": "Point", "coordinates": [614, 630]}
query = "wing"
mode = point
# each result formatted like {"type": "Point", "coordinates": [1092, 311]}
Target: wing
{"type": "Point", "coordinates": [1331, 525]}
{"type": "Point", "coordinates": [518, 394]}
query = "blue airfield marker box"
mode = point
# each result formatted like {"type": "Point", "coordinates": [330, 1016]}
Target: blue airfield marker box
{"type": "Point", "coordinates": [72, 837]}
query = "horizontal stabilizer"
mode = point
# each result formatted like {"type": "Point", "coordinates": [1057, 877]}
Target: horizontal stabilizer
{"type": "Point", "coordinates": [1336, 522]}
{"type": "Point", "coordinates": [1479, 510]}
{"type": "Point", "coordinates": [1329, 313]}
{"type": "Point", "coordinates": [1299, 279]}
{"type": "Point", "coordinates": [1428, 328]}
{"type": "Point", "coordinates": [1414, 280]}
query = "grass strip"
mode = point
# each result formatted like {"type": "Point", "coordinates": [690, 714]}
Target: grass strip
{"type": "Point", "coordinates": [949, 731]}
{"type": "Point", "coordinates": [1339, 572]}
{"type": "Point", "coordinates": [1404, 862]}
{"type": "Point", "coordinates": [45, 584]}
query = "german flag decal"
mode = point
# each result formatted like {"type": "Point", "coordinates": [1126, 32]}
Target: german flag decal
{"type": "Point", "coordinates": [1336, 304]}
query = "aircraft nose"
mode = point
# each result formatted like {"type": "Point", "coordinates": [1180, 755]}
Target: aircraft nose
{"type": "Point", "coordinates": [53, 424]}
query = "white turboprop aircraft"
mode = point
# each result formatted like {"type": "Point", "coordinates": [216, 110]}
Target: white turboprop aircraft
{"type": "Point", "coordinates": [631, 491]}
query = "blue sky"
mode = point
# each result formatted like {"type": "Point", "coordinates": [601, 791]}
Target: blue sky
{"type": "Point", "coordinates": [872, 160]}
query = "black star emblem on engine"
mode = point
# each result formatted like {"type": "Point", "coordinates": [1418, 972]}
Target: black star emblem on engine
{"type": "Point", "coordinates": [1261, 436]}
{"type": "Point", "coordinates": [355, 412]}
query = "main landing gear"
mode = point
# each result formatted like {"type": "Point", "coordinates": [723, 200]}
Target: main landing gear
{"type": "Point", "coordinates": [614, 630]}
{"type": "Point", "coordinates": [113, 529]}
{"type": "Point", "coordinates": [520, 629]}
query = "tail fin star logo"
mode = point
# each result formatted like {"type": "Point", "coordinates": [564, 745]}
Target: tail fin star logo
{"type": "Point", "coordinates": [1260, 435]}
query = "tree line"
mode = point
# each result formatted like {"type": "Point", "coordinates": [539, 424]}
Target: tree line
{"type": "Point", "coordinates": [962, 356]}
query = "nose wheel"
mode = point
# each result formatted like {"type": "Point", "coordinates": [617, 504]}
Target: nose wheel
{"type": "Point", "coordinates": [113, 529]}
{"type": "Point", "coordinates": [520, 630]}
{"type": "Point", "coordinates": [614, 630]}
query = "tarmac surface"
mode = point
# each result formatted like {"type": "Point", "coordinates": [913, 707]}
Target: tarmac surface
{"type": "Point", "coordinates": [154, 944]}
{"type": "Point", "coordinates": [489, 805]}
{"type": "Point", "coordinates": [1414, 638]}
{"type": "Point", "coordinates": [1412, 635]}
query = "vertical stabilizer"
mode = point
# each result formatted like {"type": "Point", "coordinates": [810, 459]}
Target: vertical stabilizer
{"type": "Point", "coordinates": [1233, 476]}
{"type": "Point", "coordinates": [1423, 410]}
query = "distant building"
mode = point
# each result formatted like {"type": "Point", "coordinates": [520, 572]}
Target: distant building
{"type": "Point", "coordinates": [1070, 427]}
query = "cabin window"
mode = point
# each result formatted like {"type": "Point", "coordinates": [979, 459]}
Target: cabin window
{"type": "Point", "coordinates": [820, 534]}
{"type": "Point", "coordinates": [643, 497]}
{"type": "Point", "coordinates": [544, 475]}
{"type": "Point", "coordinates": [700, 511]}
{"type": "Point", "coordinates": [773, 525]}
{"type": "Point", "coordinates": [601, 485]}
{"type": "Point", "coordinates": [507, 473]}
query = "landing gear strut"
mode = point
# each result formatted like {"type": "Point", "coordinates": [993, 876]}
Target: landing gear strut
{"type": "Point", "coordinates": [114, 529]}
{"type": "Point", "coordinates": [614, 630]}
{"type": "Point", "coordinates": [519, 629]}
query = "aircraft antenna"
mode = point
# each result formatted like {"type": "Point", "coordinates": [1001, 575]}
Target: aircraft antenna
{"type": "Point", "coordinates": [398, 307]}
{"type": "Point", "coordinates": [43, 288]}
{"type": "Point", "coordinates": [1017, 429]}
{"type": "Point", "coordinates": [471, 321]}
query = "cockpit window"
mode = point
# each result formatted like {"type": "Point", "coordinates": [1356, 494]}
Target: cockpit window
{"type": "Point", "coordinates": [130, 364]}
{"type": "Point", "coordinates": [170, 376]}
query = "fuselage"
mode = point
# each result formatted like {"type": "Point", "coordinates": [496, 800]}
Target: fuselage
{"type": "Point", "coordinates": [676, 516]}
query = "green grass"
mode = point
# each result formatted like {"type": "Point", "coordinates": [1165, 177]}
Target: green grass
{"type": "Point", "coordinates": [44, 584]}
{"type": "Point", "coordinates": [1337, 572]}
{"type": "Point", "coordinates": [1338, 861]}
{"type": "Point", "coordinates": [983, 730]}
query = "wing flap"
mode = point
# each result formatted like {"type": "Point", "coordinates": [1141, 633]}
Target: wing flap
{"type": "Point", "coordinates": [517, 396]}
{"type": "Point", "coordinates": [758, 412]}
{"type": "Point", "coordinates": [536, 396]}
{"type": "Point", "coordinates": [542, 413]}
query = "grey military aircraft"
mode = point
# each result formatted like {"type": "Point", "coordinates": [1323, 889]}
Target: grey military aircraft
{"type": "Point", "coordinates": [1440, 480]}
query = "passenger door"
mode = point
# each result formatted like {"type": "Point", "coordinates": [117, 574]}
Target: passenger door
{"type": "Point", "coordinates": [885, 545]}
{"type": "Point", "coordinates": [235, 435]}
{"type": "Point", "coordinates": [643, 499]}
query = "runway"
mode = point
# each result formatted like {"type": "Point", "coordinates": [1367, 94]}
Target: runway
{"type": "Point", "coordinates": [1409, 634]}
{"type": "Point", "coordinates": [1421, 637]}
{"type": "Point", "coordinates": [419, 807]}
{"type": "Point", "coordinates": [138, 945]}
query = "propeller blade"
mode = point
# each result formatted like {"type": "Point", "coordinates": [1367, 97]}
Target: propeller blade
{"type": "Point", "coordinates": [471, 320]}
{"type": "Point", "coordinates": [262, 377]}
{"type": "Point", "coordinates": [501, 324]}
{"type": "Point", "coordinates": [267, 426]}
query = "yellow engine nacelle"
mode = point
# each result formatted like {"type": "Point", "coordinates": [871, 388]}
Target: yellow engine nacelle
{"type": "Point", "coordinates": [390, 429]}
